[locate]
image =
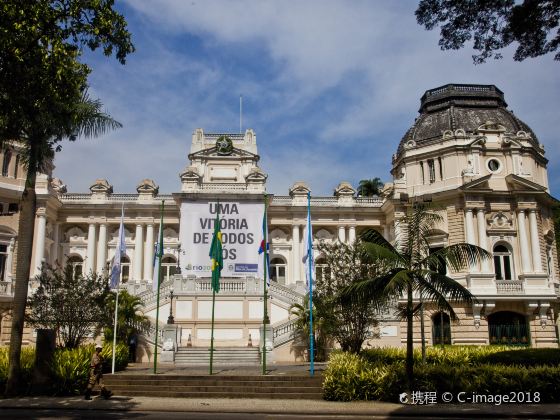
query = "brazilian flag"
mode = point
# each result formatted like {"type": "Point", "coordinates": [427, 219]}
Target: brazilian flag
{"type": "Point", "coordinates": [216, 254]}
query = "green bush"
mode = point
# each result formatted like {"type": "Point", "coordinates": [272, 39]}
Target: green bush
{"type": "Point", "coordinates": [468, 355]}
{"type": "Point", "coordinates": [350, 377]}
{"type": "Point", "coordinates": [70, 367]}
{"type": "Point", "coordinates": [27, 358]}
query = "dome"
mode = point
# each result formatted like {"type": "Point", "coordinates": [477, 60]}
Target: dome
{"type": "Point", "coordinates": [467, 107]}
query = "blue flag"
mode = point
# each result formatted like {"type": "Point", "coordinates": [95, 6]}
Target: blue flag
{"type": "Point", "coordinates": [119, 253]}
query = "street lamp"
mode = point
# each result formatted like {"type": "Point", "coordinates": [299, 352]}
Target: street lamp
{"type": "Point", "coordinates": [178, 271]}
{"type": "Point", "coordinates": [170, 319]}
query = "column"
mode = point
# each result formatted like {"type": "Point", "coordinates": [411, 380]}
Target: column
{"type": "Point", "coordinates": [387, 232]}
{"type": "Point", "coordinates": [102, 248]}
{"type": "Point", "coordinates": [296, 255]}
{"type": "Point", "coordinates": [482, 241]}
{"type": "Point", "coordinates": [535, 246]}
{"type": "Point", "coordinates": [56, 239]}
{"type": "Point", "coordinates": [90, 256]}
{"type": "Point", "coordinates": [149, 253]}
{"type": "Point", "coordinates": [40, 244]}
{"type": "Point", "coordinates": [522, 231]}
{"type": "Point", "coordinates": [352, 234]}
{"type": "Point", "coordinates": [469, 233]}
{"type": "Point", "coordinates": [342, 234]}
{"type": "Point", "coordinates": [138, 253]}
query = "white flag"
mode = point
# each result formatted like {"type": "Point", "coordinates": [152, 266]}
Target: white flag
{"type": "Point", "coordinates": [119, 253]}
{"type": "Point", "coordinates": [158, 254]}
{"type": "Point", "coordinates": [308, 241]}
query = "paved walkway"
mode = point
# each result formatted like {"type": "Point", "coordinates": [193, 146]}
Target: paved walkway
{"type": "Point", "coordinates": [286, 407]}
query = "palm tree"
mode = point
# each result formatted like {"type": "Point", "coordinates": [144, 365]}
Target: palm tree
{"type": "Point", "coordinates": [83, 118]}
{"type": "Point", "coordinates": [413, 269]}
{"type": "Point", "coordinates": [321, 324]}
{"type": "Point", "coordinates": [131, 320]}
{"type": "Point", "coordinates": [370, 187]}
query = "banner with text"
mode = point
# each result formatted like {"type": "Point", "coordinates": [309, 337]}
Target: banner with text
{"type": "Point", "coordinates": [241, 225]}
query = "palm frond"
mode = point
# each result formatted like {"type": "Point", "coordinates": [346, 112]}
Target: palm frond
{"type": "Point", "coordinates": [458, 256]}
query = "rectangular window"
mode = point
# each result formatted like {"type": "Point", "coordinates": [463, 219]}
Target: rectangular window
{"type": "Point", "coordinates": [432, 171]}
{"type": "Point", "coordinates": [440, 163]}
{"type": "Point", "coordinates": [16, 167]}
{"type": "Point", "coordinates": [507, 268]}
{"type": "Point", "coordinates": [498, 267]}
{"type": "Point", "coordinates": [3, 259]}
{"type": "Point", "coordinates": [422, 170]}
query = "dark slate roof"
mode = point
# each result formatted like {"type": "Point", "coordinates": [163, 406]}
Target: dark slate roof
{"type": "Point", "coordinates": [466, 107]}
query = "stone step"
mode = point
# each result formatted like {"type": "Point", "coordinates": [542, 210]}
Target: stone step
{"type": "Point", "coordinates": [262, 395]}
{"type": "Point", "coordinates": [206, 386]}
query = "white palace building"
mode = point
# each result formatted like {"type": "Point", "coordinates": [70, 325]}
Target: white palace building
{"type": "Point", "coordinates": [466, 152]}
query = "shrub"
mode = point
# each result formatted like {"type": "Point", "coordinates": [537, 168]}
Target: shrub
{"type": "Point", "coordinates": [27, 358]}
{"type": "Point", "coordinates": [349, 377]}
{"type": "Point", "coordinates": [70, 367]}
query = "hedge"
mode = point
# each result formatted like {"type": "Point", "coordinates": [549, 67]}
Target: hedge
{"type": "Point", "coordinates": [70, 367]}
{"type": "Point", "coordinates": [379, 374]}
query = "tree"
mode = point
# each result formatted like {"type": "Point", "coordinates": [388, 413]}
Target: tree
{"type": "Point", "coordinates": [412, 268]}
{"type": "Point", "coordinates": [494, 25]}
{"type": "Point", "coordinates": [352, 319]}
{"type": "Point", "coordinates": [321, 325]}
{"type": "Point", "coordinates": [370, 187]}
{"type": "Point", "coordinates": [130, 319]}
{"type": "Point", "coordinates": [43, 101]}
{"type": "Point", "coordinates": [73, 306]}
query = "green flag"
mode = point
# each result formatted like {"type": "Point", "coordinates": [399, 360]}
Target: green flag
{"type": "Point", "coordinates": [216, 254]}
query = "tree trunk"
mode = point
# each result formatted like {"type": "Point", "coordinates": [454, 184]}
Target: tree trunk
{"type": "Point", "coordinates": [409, 338]}
{"type": "Point", "coordinates": [422, 331]}
{"type": "Point", "coordinates": [23, 263]}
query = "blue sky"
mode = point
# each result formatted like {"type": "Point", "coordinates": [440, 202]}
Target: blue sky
{"type": "Point", "coordinates": [329, 87]}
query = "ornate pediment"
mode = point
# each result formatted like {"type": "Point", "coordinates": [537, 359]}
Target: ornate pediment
{"type": "Point", "coordinates": [256, 174]}
{"type": "Point", "coordinates": [74, 234]}
{"type": "Point", "coordinates": [500, 221]}
{"type": "Point", "coordinates": [217, 152]}
{"type": "Point", "coordinates": [147, 186]}
{"type": "Point", "coordinates": [491, 125]}
{"type": "Point", "coordinates": [518, 183]}
{"type": "Point", "coordinates": [344, 189]}
{"type": "Point", "coordinates": [478, 184]}
{"type": "Point", "coordinates": [278, 235]}
{"type": "Point", "coordinates": [101, 186]}
{"type": "Point", "coordinates": [170, 234]}
{"type": "Point", "coordinates": [190, 174]}
{"type": "Point", "coordinates": [58, 186]}
{"type": "Point", "coordinates": [299, 188]}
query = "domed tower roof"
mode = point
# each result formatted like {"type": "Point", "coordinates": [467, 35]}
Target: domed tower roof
{"type": "Point", "coordinates": [466, 107]}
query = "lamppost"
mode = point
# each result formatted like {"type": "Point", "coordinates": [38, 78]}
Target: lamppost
{"type": "Point", "coordinates": [170, 319]}
{"type": "Point", "coordinates": [178, 271]}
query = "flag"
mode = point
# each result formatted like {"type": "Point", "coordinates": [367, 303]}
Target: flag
{"type": "Point", "coordinates": [158, 254]}
{"type": "Point", "coordinates": [262, 249]}
{"type": "Point", "coordinates": [308, 240]}
{"type": "Point", "coordinates": [119, 253]}
{"type": "Point", "coordinates": [217, 261]}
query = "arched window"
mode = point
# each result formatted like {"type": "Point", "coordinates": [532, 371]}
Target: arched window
{"type": "Point", "coordinates": [441, 329]}
{"type": "Point", "coordinates": [278, 270]}
{"type": "Point", "coordinates": [168, 267]}
{"type": "Point", "coordinates": [77, 264]}
{"type": "Point", "coordinates": [322, 270]}
{"type": "Point", "coordinates": [503, 263]}
{"type": "Point", "coordinates": [6, 162]}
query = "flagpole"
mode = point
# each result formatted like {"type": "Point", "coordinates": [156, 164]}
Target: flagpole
{"type": "Point", "coordinates": [115, 330]}
{"type": "Point", "coordinates": [159, 251]}
{"type": "Point", "coordinates": [118, 254]}
{"type": "Point", "coordinates": [212, 332]}
{"type": "Point", "coordinates": [265, 317]}
{"type": "Point", "coordinates": [309, 259]}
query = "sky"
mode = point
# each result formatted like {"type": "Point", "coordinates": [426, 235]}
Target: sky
{"type": "Point", "coordinates": [330, 88]}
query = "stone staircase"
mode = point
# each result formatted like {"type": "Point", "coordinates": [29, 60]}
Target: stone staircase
{"type": "Point", "coordinates": [197, 356]}
{"type": "Point", "coordinates": [206, 386]}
